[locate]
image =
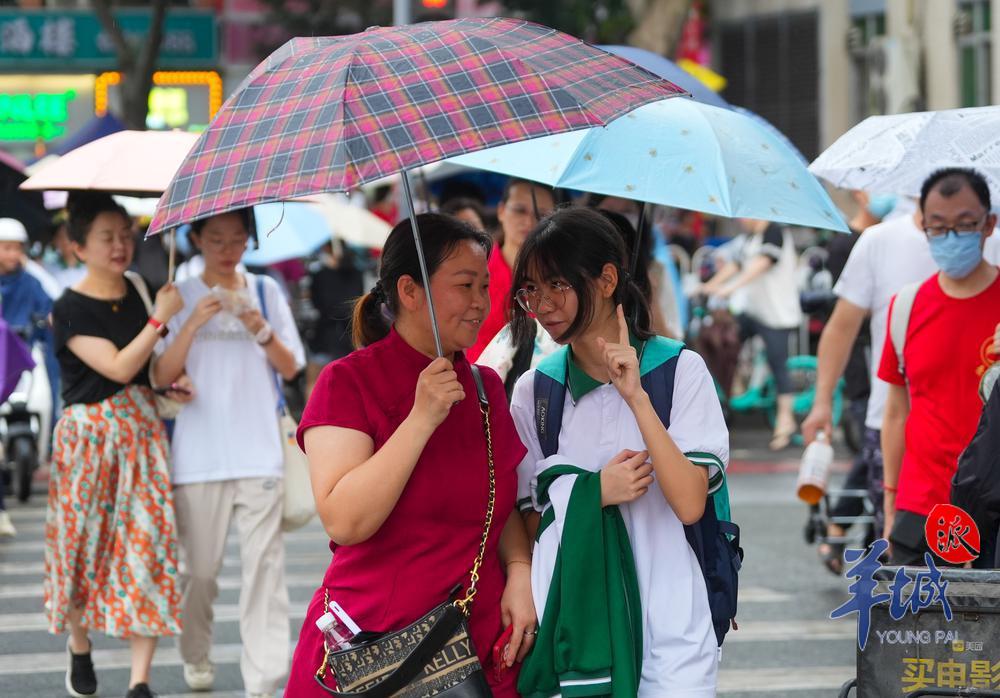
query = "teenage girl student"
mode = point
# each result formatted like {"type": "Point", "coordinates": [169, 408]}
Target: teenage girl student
{"type": "Point", "coordinates": [633, 617]}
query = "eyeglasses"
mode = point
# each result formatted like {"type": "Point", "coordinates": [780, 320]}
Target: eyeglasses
{"type": "Point", "coordinates": [530, 298]}
{"type": "Point", "coordinates": [965, 228]}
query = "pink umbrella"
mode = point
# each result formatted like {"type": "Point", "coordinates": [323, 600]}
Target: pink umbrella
{"type": "Point", "coordinates": [139, 163]}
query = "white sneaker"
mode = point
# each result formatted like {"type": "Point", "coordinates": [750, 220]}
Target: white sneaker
{"type": "Point", "coordinates": [200, 676]}
{"type": "Point", "coordinates": [251, 694]}
{"type": "Point", "coordinates": [7, 529]}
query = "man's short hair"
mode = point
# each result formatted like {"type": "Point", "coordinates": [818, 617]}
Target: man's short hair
{"type": "Point", "coordinates": [516, 181]}
{"type": "Point", "coordinates": [950, 180]}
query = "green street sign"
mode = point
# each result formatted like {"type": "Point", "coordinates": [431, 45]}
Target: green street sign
{"type": "Point", "coordinates": [75, 39]}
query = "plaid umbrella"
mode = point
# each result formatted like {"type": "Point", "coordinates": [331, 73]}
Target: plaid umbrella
{"type": "Point", "coordinates": [327, 114]}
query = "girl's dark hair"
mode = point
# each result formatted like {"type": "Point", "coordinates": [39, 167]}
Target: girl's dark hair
{"type": "Point", "coordinates": [83, 207]}
{"type": "Point", "coordinates": [645, 241]}
{"type": "Point", "coordinates": [246, 217]}
{"type": "Point", "coordinates": [440, 235]}
{"type": "Point", "coordinates": [573, 245]}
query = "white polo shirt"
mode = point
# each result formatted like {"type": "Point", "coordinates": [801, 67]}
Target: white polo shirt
{"type": "Point", "coordinates": [230, 430]}
{"type": "Point", "coordinates": [680, 652]}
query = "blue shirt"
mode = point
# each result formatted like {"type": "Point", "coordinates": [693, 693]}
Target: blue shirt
{"type": "Point", "coordinates": [24, 302]}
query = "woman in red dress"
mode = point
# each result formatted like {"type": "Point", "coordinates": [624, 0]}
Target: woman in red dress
{"type": "Point", "coordinates": [398, 461]}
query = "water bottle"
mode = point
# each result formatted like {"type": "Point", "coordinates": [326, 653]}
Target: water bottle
{"type": "Point", "coordinates": [814, 470]}
{"type": "Point", "coordinates": [338, 628]}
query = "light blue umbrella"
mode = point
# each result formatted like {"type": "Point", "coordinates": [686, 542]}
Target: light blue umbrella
{"type": "Point", "coordinates": [668, 70]}
{"type": "Point", "coordinates": [675, 152]}
{"type": "Point", "coordinates": [287, 230]}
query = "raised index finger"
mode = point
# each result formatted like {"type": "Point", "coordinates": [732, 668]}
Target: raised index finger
{"type": "Point", "coordinates": [622, 327]}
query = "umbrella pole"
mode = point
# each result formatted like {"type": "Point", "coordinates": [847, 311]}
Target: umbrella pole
{"type": "Point", "coordinates": [408, 195]}
{"type": "Point", "coordinates": [634, 262]}
{"type": "Point", "coordinates": [172, 237]}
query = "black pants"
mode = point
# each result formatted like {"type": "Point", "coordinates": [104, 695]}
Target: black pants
{"type": "Point", "coordinates": [909, 542]}
{"type": "Point", "coordinates": [775, 346]}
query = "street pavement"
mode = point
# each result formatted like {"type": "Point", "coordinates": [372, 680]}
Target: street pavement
{"type": "Point", "coordinates": [786, 646]}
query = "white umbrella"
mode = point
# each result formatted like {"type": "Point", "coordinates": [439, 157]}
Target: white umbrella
{"type": "Point", "coordinates": [127, 162]}
{"type": "Point", "coordinates": [895, 154]}
{"type": "Point", "coordinates": [351, 223]}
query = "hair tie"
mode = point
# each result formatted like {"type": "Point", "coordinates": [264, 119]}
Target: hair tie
{"type": "Point", "coordinates": [378, 291]}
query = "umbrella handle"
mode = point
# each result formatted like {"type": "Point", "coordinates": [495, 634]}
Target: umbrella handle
{"type": "Point", "coordinates": [408, 195]}
{"type": "Point", "coordinates": [172, 238]}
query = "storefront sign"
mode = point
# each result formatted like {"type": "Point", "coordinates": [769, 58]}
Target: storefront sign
{"type": "Point", "coordinates": [60, 39]}
{"type": "Point", "coordinates": [43, 108]}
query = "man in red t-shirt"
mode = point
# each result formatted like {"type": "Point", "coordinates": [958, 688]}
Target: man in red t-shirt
{"type": "Point", "coordinates": [933, 404]}
{"type": "Point", "coordinates": [516, 214]}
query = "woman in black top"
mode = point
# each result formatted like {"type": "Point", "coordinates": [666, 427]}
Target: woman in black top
{"type": "Point", "coordinates": [111, 542]}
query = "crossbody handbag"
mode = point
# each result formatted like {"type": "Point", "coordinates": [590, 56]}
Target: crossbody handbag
{"type": "Point", "coordinates": [432, 656]}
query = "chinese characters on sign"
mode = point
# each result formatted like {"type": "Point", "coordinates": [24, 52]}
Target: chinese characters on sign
{"type": "Point", "coordinates": [919, 673]}
{"type": "Point", "coordinates": [952, 534]}
{"type": "Point", "coordinates": [50, 38]}
{"type": "Point", "coordinates": [928, 589]}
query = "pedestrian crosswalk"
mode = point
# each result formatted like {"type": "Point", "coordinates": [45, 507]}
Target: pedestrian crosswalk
{"type": "Point", "coordinates": [785, 645]}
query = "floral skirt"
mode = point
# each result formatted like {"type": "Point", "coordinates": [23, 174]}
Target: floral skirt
{"type": "Point", "coordinates": [110, 533]}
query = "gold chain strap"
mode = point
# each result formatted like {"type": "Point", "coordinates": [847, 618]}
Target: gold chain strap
{"type": "Point", "coordinates": [463, 604]}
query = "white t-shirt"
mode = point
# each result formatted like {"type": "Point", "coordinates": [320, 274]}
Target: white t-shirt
{"type": "Point", "coordinates": [773, 297]}
{"type": "Point", "coordinates": [887, 257]}
{"type": "Point", "coordinates": [680, 653]}
{"type": "Point", "coordinates": [230, 430]}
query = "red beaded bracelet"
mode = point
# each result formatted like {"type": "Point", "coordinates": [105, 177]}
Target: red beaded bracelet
{"type": "Point", "coordinates": [889, 488]}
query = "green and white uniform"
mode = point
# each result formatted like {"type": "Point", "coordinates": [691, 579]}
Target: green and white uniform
{"type": "Point", "coordinates": [679, 649]}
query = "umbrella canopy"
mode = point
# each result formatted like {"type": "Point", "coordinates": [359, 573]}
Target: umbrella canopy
{"type": "Point", "coordinates": [27, 207]}
{"type": "Point", "coordinates": [895, 154]}
{"type": "Point", "coordinates": [127, 162]}
{"type": "Point", "coordinates": [15, 359]}
{"type": "Point", "coordinates": [327, 114]}
{"type": "Point", "coordinates": [676, 152]}
{"type": "Point", "coordinates": [287, 231]}
{"type": "Point", "coordinates": [352, 224]}
{"type": "Point", "coordinates": [668, 70]}
{"type": "Point", "coordinates": [98, 127]}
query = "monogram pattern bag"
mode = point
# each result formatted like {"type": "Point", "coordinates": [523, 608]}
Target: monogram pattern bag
{"type": "Point", "coordinates": [432, 656]}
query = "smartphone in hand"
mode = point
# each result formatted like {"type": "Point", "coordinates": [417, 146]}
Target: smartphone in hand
{"type": "Point", "coordinates": [499, 650]}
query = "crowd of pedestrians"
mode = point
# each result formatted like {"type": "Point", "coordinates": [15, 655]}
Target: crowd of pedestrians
{"type": "Point", "coordinates": [548, 456]}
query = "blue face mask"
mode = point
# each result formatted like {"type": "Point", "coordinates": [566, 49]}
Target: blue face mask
{"type": "Point", "coordinates": [957, 254]}
{"type": "Point", "coordinates": [881, 205]}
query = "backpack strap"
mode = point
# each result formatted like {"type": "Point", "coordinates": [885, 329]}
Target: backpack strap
{"type": "Point", "coordinates": [550, 396]}
{"type": "Point", "coordinates": [900, 320]}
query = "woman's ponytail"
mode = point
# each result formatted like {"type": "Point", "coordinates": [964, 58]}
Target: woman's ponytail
{"type": "Point", "coordinates": [368, 323]}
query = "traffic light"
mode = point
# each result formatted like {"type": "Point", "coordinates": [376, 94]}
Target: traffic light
{"type": "Point", "coordinates": [431, 10]}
